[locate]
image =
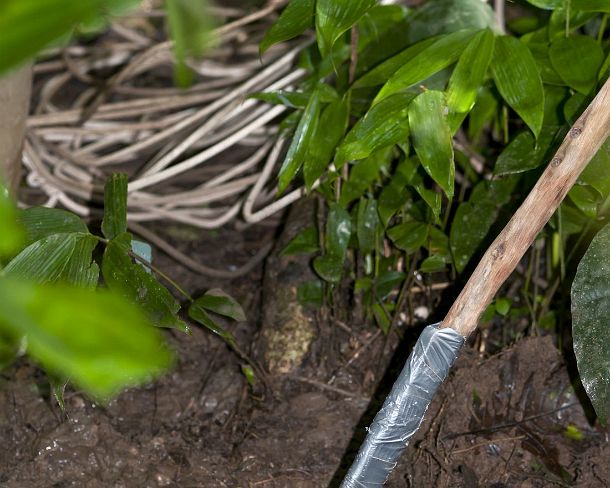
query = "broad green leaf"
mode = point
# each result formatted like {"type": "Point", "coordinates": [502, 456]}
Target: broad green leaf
{"type": "Point", "coordinates": [445, 16]}
{"type": "Point", "coordinates": [590, 325]}
{"type": "Point", "coordinates": [199, 314]}
{"type": "Point", "coordinates": [431, 138]}
{"type": "Point", "coordinates": [395, 193]}
{"type": "Point", "coordinates": [300, 142]}
{"type": "Point", "coordinates": [28, 26]}
{"type": "Point", "coordinates": [329, 267]}
{"type": "Point", "coordinates": [64, 258]}
{"type": "Point", "coordinates": [367, 225]}
{"type": "Point", "coordinates": [387, 282]}
{"type": "Point", "coordinates": [430, 197]}
{"type": "Point", "coordinates": [591, 5]}
{"type": "Point", "coordinates": [310, 294]}
{"type": "Point", "coordinates": [11, 233]}
{"type": "Point", "coordinates": [190, 24]}
{"type": "Point", "coordinates": [540, 51]}
{"type": "Point", "coordinates": [295, 19]}
{"type": "Point", "coordinates": [382, 72]}
{"type": "Point", "coordinates": [524, 153]}
{"type": "Point", "coordinates": [334, 17]}
{"type": "Point", "coordinates": [40, 222]}
{"type": "Point", "coordinates": [338, 232]}
{"type": "Point", "coordinates": [381, 317]}
{"type": "Point", "coordinates": [518, 81]}
{"type": "Point", "coordinates": [433, 263]}
{"type": "Point", "coordinates": [482, 114]}
{"type": "Point", "coordinates": [468, 76]}
{"type": "Point", "coordinates": [597, 172]}
{"type": "Point", "coordinates": [409, 236]}
{"type": "Point", "coordinates": [469, 228]}
{"type": "Point", "coordinates": [329, 131]}
{"type": "Point", "coordinates": [134, 283]}
{"type": "Point", "coordinates": [585, 199]}
{"type": "Point", "coordinates": [567, 20]}
{"type": "Point", "coordinates": [385, 124]}
{"type": "Point", "coordinates": [547, 4]}
{"type": "Point", "coordinates": [217, 301]}
{"type": "Point", "coordinates": [305, 242]}
{"type": "Point", "coordinates": [99, 341]}
{"type": "Point", "coordinates": [115, 206]}
{"type": "Point", "coordinates": [363, 175]}
{"type": "Point", "coordinates": [297, 99]}
{"type": "Point", "coordinates": [434, 58]}
{"type": "Point", "coordinates": [577, 59]}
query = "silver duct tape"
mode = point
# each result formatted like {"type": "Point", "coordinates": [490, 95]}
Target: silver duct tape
{"type": "Point", "coordinates": [403, 410]}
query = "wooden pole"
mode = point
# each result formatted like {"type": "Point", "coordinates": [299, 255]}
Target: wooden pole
{"type": "Point", "coordinates": [582, 142]}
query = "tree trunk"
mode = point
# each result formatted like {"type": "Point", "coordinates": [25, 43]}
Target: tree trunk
{"type": "Point", "coordinates": [15, 89]}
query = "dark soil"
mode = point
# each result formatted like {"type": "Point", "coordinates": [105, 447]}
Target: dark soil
{"type": "Point", "coordinates": [510, 420]}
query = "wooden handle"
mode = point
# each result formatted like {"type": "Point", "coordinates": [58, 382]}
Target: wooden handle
{"type": "Point", "coordinates": [579, 146]}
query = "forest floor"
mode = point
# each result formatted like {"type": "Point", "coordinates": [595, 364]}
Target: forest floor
{"type": "Point", "coordinates": [510, 419]}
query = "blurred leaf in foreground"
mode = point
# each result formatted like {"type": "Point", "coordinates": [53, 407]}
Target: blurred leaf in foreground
{"type": "Point", "coordinates": [70, 332]}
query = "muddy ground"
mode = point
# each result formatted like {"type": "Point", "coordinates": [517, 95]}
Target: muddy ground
{"type": "Point", "coordinates": [509, 420]}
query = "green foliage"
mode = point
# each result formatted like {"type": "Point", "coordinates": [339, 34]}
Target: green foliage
{"type": "Point", "coordinates": [591, 329]}
{"type": "Point", "coordinates": [296, 18]}
{"type": "Point", "coordinates": [70, 331]}
{"type": "Point", "coordinates": [439, 127]}
{"type": "Point", "coordinates": [29, 26]}
{"type": "Point", "coordinates": [98, 339]}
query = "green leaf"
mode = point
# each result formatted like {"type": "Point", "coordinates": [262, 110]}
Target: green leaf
{"type": "Point", "coordinates": [297, 99]}
{"type": "Point", "coordinates": [468, 76]}
{"type": "Point", "coordinates": [433, 263]}
{"type": "Point", "coordinates": [40, 222]}
{"type": "Point", "coordinates": [590, 325]}
{"type": "Point", "coordinates": [409, 236]}
{"type": "Point", "coordinates": [502, 306]}
{"type": "Point", "coordinates": [329, 267]}
{"type": "Point", "coordinates": [328, 134]}
{"type": "Point", "coordinates": [445, 16]}
{"type": "Point", "coordinates": [309, 294]}
{"type": "Point", "coordinates": [482, 114]}
{"type": "Point", "coordinates": [431, 138]}
{"type": "Point", "coordinates": [199, 314]}
{"type": "Point", "coordinates": [28, 26]}
{"type": "Point", "coordinates": [577, 60]}
{"type": "Point", "coordinates": [295, 19]}
{"type": "Point", "coordinates": [190, 25]}
{"type": "Point", "coordinates": [338, 232]}
{"type": "Point", "coordinates": [300, 142]}
{"type": "Point", "coordinates": [597, 173]}
{"type": "Point", "coordinates": [387, 282]}
{"type": "Point", "coordinates": [11, 233]}
{"type": "Point", "coordinates": [518, 81]}
{"type": "Point", "coordinates": [133, 282]}
{"type": "Point", "coordinates": [591, 5]}
{"type": "Point", "coordinates": [585, 199]}
{"type": "Point", "coordinates": [385, 124]}
{"type": "Point", "coordinates": [434, 58]}
{"type": "Point", "coordinates": [305, 242]}
{"type": "Point", "coordinates": [382, 72]}
{"type": "Point", "coordinates": [62, 258]}
{"type": "Point", "coordinates": [395, 194]}
{"type": "Point", "coordinates": [469, 228]}
{"type": "Point", "coordinates": [362, 175]}
{"type": "Point", "coordinates": [524, 153]}
{"type": "Point", "coordinates": [381, 317]}
{"type": "Point", "coordinates": [115, 206]}
{"type": "Point", "coordinates": [99, 341]}
{"type": "Point", "coordinates": [367, 225]}
{"type": "Point", "coordinates": [547, 4]}
{"type": "Point", "coordinates": [334, 17]}
{"type": "Point", "coordinates": [217, 301]}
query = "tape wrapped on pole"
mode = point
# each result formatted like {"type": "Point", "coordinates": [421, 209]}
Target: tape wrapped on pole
{"type": "Point", "coordinates": [403, 410]}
